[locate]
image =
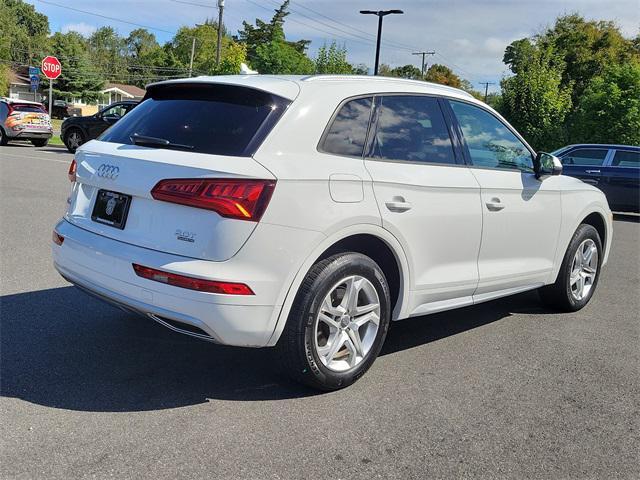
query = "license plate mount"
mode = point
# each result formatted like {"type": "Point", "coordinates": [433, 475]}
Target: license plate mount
{"type": "Point", "coordinates": [111, 208]}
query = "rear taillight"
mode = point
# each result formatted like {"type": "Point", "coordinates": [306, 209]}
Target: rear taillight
{"type": "Point", "coordinates": [57, 238]}
{"type": "Point", "coordinates": [242, 199]}
{"type": "Point", "coordinates": [211, 286]}
{"type": "Point", "coordinates": [73, 168]}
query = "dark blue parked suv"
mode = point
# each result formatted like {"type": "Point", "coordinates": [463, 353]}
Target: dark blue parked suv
{"type": "Point", "coordinates": [614, 169]}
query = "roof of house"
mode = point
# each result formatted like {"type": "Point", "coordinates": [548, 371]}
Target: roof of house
{"type": "Point", "coordinates": [16, 79]}
{"type": "Point", "coordinates": [130, 90]}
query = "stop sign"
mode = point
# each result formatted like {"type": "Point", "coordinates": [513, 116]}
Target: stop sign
{"type": "Point", "coordinates": [51, 67]}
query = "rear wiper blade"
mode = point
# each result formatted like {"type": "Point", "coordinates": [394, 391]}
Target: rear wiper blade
{"type": "Point", "coordinates": [143, 140]}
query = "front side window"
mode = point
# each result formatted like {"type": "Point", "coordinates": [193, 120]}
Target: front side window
{"type": "Point", "coordinates": [412, 128]}
{"type": "Point", "coordinates": [117, 111]}
{"type": "Point", "coordinates": [491, 144]}
{"type": "Point", "coordinates": [588, 157]}
{"type": "Point", "coordinates": [626, 159]}
{"type": "Point", "coordinates": [348, 132]}
{"type": "Point", "coordinates": [202, 118]}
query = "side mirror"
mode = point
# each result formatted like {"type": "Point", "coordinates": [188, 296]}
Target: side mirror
{"type": "Point", "coordinates": [546, 165]}
{"type": "Point", "coordinates": [111, 118]}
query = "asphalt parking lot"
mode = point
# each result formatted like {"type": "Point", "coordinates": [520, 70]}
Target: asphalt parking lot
{"type": "Point", "coordinates": [504, 389]}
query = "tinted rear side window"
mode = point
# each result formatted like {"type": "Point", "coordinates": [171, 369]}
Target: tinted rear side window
{"type": "Point", "coordinates": [589, 157]}
{"type": "Point", "coordinates": [348, 132]}
{"type": "Point", "coordinates": [412, 128]}
{"type": "Point", "coordinates": [214, 119]}
{"type": "Point", "coordinates": [626, 159]}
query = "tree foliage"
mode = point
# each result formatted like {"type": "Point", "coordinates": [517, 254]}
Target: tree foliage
{"type": "Point", "coordinates": [265, 42]}
{"type": "Point", "coordinates": [559, 72]}
{"type": "Point", "coordinates": [81, 78]}
{"type": "Point", "coordinates": [535, 101]}
{"type": "Point", "coordinates": [333, 59]}
{"type": "Point", "coordinates": [609, 109]}
{"type": "Point", "coordinates": [406, 71]}
{"type": "Point", "coordinates": [443, 75]}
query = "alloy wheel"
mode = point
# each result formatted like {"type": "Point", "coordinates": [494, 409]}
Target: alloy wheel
{"type": "Point", "coordinates": [74, 139]}
{"type": "Point", "coordinates": [584, 269]}
{"type": "Point", "coordinates": [347, 323]}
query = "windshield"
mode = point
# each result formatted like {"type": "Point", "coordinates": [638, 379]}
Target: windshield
{"type": "Point", "coordinates": [208, 118]}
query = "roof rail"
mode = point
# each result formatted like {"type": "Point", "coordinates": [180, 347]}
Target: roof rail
{"type": "Point", "coordinates": [328, 77]}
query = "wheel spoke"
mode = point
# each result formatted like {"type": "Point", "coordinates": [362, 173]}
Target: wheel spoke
{"type": "Point", "coordinates": [353, 351]}
{"type": "Point", "coordinates": [323, 317]}
{"type": "Point", "coordinates": [336, 345]}
{"type": "Point", "coordinates": [328, 308]}
{"type": "Point", "coordinates": [354, 336]}
{"type": "Point", "coordinates": [366, 309]}
{"type": "Point", "coordinates": [366, 318]}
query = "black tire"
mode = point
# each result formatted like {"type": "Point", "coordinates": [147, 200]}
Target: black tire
{"type": "Point", "coordinates": [296, 347]}
{"type": "Point", "coordinates": [40, 142]}
{"type": "Point", "coordinates": [3, 137]}
{"type": "Point", "coordinates": [558, 295]}
{"type": "Point", "coordinates": [67, 136]}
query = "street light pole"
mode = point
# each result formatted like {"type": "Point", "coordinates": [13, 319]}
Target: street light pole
{"type": "Point", "coordinates": [380, 14]}
{"type": "Point", "coordinates": [220, 9]}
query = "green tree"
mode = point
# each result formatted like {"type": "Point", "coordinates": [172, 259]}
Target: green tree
{"type": "Point", "coordinates": [79, 79]}
{"type": "Point", "coordinates": [204, 62]}
{"type": "Point", "coordinates": [407, 71]}
{"type": "Point", "coordinates": [23, 32]}
{"type": "Point", "coordinates": [279, 57]}
{"type": "Point", "coordinates": [443, 75]}
{"type": "Point", "coordinates": [535, 101]}
{"type": "Point", "coordinates": [586, 48]}
{"type": "Point", "coordinates": [108, 52]}
{"type": "Point", "coordinates": [609, 109]}
{"type": "Point", "coordinates": [333, 60]}
{"type": "Point", "coordinates": [266, 39]}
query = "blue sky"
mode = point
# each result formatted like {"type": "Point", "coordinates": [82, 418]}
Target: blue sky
{"type": "Point", "coordinates": [468, 36]}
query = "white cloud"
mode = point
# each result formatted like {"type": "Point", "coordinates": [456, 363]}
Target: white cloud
{"type": "Point", "coordinates": [82, 28]}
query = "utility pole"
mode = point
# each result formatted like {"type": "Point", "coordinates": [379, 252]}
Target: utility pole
{"type": "Point", "coordinates": [220, 10]}
{"type": "Point", "coordinates": [193, 50]}
{"type": "Point", "coordinates": [486, 89]}
{"type": "Point", "coordinates": [424, 65]}
{"type": "Point", "coordinates": [380, 14]}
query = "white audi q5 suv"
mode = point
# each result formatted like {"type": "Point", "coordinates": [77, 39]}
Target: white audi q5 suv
{"type": "Point", "coordinates": [307, 213]}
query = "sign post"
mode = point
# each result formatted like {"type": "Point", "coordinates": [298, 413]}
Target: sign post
{"type": "Point", "coordinates": [52, 69]}
{"type": "Point", "coordinates": [34, 76]}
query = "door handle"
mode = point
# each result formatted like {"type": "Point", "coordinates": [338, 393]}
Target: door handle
{"type": "Point", "coordinates": [398, 205]}
{"type": "Point", "coordinates": [494, 205]}
{"type": "Point", "coordinates": [592, 171]}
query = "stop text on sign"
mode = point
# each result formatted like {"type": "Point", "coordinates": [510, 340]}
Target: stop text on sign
{"type": "Point", "coordinates": [51, 67]}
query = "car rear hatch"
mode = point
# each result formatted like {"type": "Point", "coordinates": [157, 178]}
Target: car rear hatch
{"type": "Point", "coordinates": [176, 174]}
{"type": "Point", "coordinates": [28, 118]}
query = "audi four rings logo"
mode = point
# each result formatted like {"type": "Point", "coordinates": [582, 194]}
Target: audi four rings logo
{"type": "Point", "coordinates": [108, 171]}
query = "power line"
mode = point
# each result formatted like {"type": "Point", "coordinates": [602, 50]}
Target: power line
{"type": "Point", "coordinates": [424, 54]}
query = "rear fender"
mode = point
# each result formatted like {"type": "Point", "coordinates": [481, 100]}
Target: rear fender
{"type": "Point", "coordinates": [401, 309]}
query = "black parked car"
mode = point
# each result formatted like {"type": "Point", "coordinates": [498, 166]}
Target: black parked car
{"type": "Point", "coordinates": [614, 169]}
{"type": "Point", "coordinates": [78, 130]}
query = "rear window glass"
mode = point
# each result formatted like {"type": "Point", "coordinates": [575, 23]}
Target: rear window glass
{"type": "Point", "coordinates": [626, 159]}
{"type": "Point", "coordinates": [348, 132]}
{"type": "Point", "coordinates": [213, 119]}
{"type": "Point", "coordinates": [27, 108]}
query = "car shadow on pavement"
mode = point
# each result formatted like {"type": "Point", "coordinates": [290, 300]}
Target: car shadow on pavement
{"type": "Point", "coordinates": [64, 349]}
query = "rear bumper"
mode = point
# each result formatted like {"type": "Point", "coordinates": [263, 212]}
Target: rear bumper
{"type": "Point", "coordinates": [103, 267]}
{"type": "Point", "coordinates": [29, 134]}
